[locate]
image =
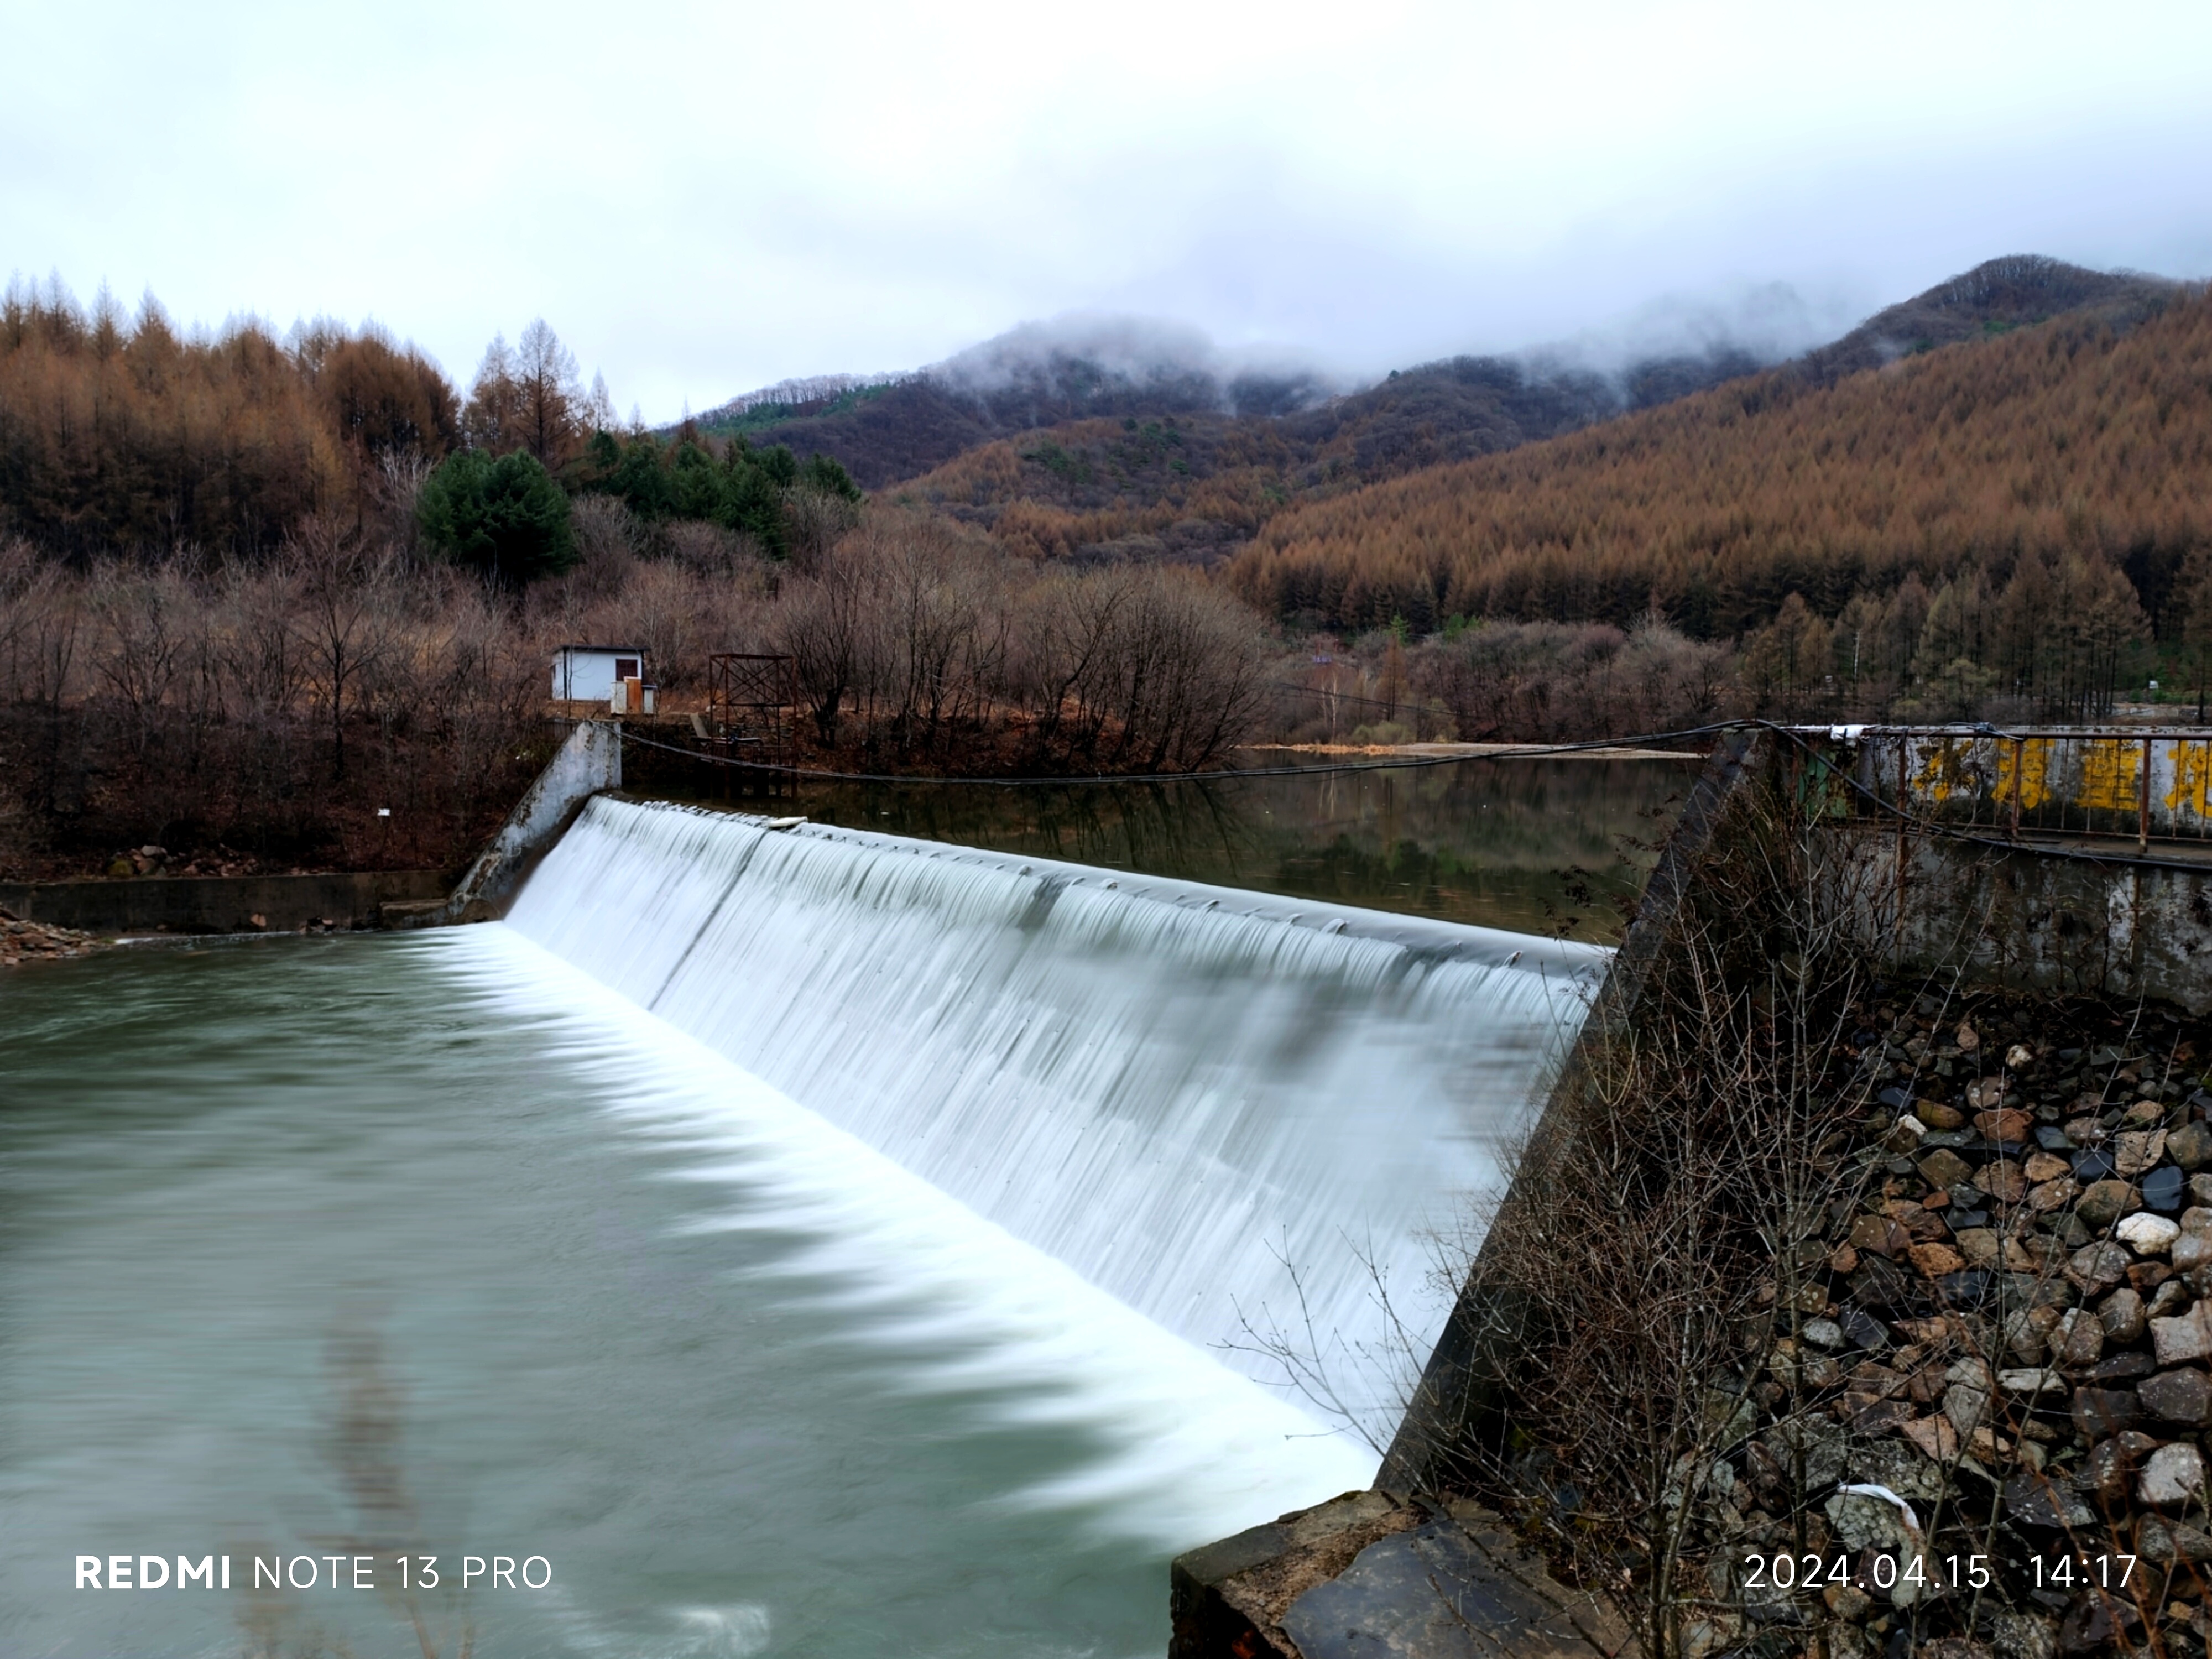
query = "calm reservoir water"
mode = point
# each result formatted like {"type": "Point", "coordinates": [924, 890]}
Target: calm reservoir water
{"type": "Point", "coordinates": [444, 1245]}
{"type": "Point", "coordinates": [1497, 842]}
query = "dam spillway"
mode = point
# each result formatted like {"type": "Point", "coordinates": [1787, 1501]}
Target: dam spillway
{"type": "Point", "coordinates": [1223, 1109]}
{"type": "Point", "coordinates": [807, 1241]}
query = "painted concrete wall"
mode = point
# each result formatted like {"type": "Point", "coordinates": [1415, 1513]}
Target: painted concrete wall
{"type": "Point", "coordinates": [2049, 780]}
{"type": "Point", "coordinates": [2055, 859]}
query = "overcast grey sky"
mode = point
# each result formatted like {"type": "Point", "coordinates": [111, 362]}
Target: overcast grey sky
{"type": "Point", "coordinates": [705, 199]}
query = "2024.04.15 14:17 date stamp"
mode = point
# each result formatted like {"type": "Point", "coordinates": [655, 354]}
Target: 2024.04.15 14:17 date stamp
{"type": "Point", "coordinates": [1883, 1571]}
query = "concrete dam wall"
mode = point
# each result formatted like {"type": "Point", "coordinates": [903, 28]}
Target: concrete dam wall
{"type": "Point", "coordinates": [1218, 1107]}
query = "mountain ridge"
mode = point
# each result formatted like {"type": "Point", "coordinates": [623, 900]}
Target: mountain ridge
{"type": "Point", "coordinates": [1195, 488]}
{"type": "Point", "coordinates": [2076, 446]}
{"type": "Point", "coordinates": [904, 429]}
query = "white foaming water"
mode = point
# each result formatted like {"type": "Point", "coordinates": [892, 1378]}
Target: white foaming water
{"type": "Point", "coordinates": [1195, 1450]}
{"type": "Point", "coordinates": [1225, 1111]}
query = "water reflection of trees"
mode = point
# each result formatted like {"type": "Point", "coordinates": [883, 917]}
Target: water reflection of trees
{"type": "Point", "coordinates": [1507, 844]}
{"type": "Point", "coordinates": [363, 1445]}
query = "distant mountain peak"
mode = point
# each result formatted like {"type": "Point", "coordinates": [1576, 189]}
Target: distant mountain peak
{"type": "Point", "coordinates": [1088, 363]}
{"type": "Point", "coordinates": [2016, 290]}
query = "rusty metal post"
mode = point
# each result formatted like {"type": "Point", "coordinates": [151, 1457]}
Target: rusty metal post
{"type": "Point", "coordinates": [1903, 807]}
{"type": "Point", "coordinates": [2019, 764]}
{"type": "Point", "coordinates": [2142, 816]}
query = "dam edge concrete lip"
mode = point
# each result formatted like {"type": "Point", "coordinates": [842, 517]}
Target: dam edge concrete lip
{"type": "Point", "coordinates": [1422, 936]}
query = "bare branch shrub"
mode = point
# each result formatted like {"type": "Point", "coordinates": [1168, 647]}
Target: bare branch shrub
{"type": "Point", "coordinates": [1673, 1202]}
{"type": "Point", "coordinates": [1656, 1248]}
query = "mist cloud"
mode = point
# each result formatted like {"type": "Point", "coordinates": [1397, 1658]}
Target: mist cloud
{"type": "Point", "coordinates": [721, 197]}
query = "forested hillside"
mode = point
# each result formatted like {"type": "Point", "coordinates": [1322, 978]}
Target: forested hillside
{"type": "Point", "coordinates": [1194, 484]}
{"type": "Point", "coordinates": [1194, 487]}
{"type": "Point", "coordinates": [892, 428]}
{"type": "Point", "coordinates": [2006, 518]}
{"type": "Point", "coordinates": [1994, 527]}
{"type": "Point", "coordinates": [119, 433]}
{"type": "Point", "coordinates": [1011, 391]}
{"type": "Point", "coordinates": [126, 436]}
{"type": "Point", "coordinates": [2067, 439]}
{"type": "Point", "coordinates": [1993, 298]}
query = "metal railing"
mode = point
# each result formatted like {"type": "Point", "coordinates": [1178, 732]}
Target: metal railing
{"type": "Point", "coordinates": [2039, 783]}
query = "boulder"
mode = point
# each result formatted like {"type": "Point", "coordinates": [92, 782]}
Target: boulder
{"type": "Point", "coordinates": [1863, 1523]}
{"type": "Point", "coordinates": [1933, 1435]}
{"type": "Point", "coordinates": [2147, 1234]}
{"type": "Point", "coordinates": [2033, 1501]}
{"type": "Point", "coordinates": [1935, 1261]}
{"type": "Point", "coordinates": [2123, 1314]}
{"type": "Point", "coordinates": [2138, 1150]}
{"type": "Point", "coordinates": [2054, 1195]}
{"type": "Point", "coordinates": [1880, 1236]}
{"type": "Point", "coordinates": [2191, 1146]}
{"type": "Point", "coordinates": [2161, 1189]}
{"type": "Point", "coordinates": [2096, 1268]}
{"type": "Point", "coordinates": [1945, 1168]}
{"type": "Point", "coordinates": [2184, 1338]}
{"type": "Point", "coordinates": [1847, 1601]}
{"type": "Point", "coordinates": [2127, 1365]}
{"type": "Point", "coordinates": [2178, 1396]}
{"type": "Point", "coordinates": [2172, 1475]}
{"type": "Point", "coordinates": [2002, 1180]}
{"type": "Point", "coordinates": [2024, 1635]}
{"type": "Point", "coordinates": [2110, 1462]}
{"type": "Point", "coordinates": [2078, 1343]}
{"type": "Point", "coordinates": [2100, 1414]}
{"type": "Point", "coordinates": [2167, 1542]}
{"type": "Point", "coordinates": [2103, 1202]}
{"type": "Point", "coordinates": [1985, 1247]}
{"type": "Point", "coordinates": [2027, 1333]}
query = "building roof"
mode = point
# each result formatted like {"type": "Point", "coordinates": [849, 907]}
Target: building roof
{"type": "Point", "coordinates": [610, 650]}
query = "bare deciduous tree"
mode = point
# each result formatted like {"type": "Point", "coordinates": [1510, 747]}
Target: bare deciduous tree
{"type": "Point", "coordinates": [345, 602]}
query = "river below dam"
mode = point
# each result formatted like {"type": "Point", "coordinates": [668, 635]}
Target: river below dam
{"type": "Point", "coordinates": [816, 1243]}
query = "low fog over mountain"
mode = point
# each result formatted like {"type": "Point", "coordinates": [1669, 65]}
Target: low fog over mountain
{"type": "Point", "coordinates": [885, 427]}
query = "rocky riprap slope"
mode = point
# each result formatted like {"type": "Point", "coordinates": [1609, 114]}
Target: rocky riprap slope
{"type": "Point", "coordinates": [2007, 1329]}
{"type": "Point", "coordinates": [24, 941]}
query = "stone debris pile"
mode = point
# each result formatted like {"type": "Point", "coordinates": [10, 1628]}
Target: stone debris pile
{"type": "Point", "coordinates": [24, 941]}
{"type": "Point", "coordinates": [2003, 1338]}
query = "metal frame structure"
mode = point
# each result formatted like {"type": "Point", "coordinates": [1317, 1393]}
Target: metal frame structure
{"type": "Point", "coordinates": [752, 710]}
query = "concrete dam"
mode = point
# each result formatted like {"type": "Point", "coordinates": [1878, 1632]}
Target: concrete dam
{"type": "Point", "coordinates": [1225, 1110]}
{"type": "Point", "coordinates": [801, 1239]}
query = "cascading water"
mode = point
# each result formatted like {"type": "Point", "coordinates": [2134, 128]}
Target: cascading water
{"type": "Point", "coordinates": [805, 1241]}
{"type": "Point", "coordinates": [1227, 1111]}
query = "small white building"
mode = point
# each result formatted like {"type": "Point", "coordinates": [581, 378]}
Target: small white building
{"type": "Point", "coordinates": [590, 673]}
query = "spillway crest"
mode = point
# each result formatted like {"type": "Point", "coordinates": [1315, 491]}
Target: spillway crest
{"type": "Point", "coordinates": [1223, 1109]}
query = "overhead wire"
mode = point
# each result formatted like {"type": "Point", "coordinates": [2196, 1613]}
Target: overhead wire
{"type": "Point", "coordinates": [1648, 740]}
